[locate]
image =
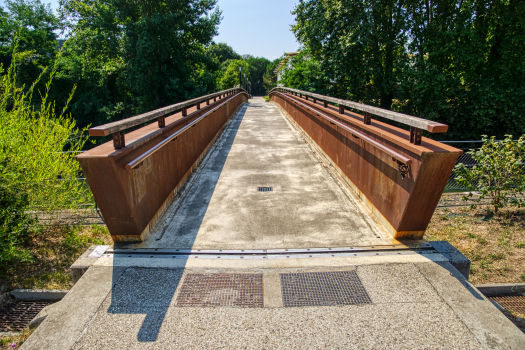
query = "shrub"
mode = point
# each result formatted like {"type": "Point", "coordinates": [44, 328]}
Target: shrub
{"type": "Point", "coordinates": [499, 172]}
{"type": "Point", "coordinates": [35, 172]}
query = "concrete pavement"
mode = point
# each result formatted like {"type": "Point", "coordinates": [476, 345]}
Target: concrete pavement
{"type": "Point", "coordinates": [392, 301]}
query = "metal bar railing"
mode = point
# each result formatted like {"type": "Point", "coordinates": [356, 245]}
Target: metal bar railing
{"type": "Point", "coordinates": [135, 163]}
{"type": "Point", "coordinates": [398, 157]}
{"type": "Point", "coordinates": [416, 124]}
{"type": "Point", "coordinates": [117, 128]}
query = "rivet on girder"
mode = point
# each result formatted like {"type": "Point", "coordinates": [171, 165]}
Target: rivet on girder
{"type": "Point", "coordinates": [119, 140]}
{"type": "Point", "coordinates": [415, 135]}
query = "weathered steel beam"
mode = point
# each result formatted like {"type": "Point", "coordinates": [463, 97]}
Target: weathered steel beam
{"type": "Point", "coordinates": [131, 201]}
{"type": "Point", "coordinates": [111, 128]}
{"type": "Point", "coordinates": [402, 196]}
{"type": "Point", "coordinates": [424, 124]}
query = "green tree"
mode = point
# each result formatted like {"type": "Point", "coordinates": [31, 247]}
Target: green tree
{"type": "Point", "coordinates": [257, 69]}
{"type": "Point", "coordinates": [304, 73]}
{"type": "Point", "coordinates": [35, 173]}
{"type": "Point", "coordinates": [453, 61]}
{"type": "Point", "coordinates": [230, 77]}
{"type": "Point", "coordinates": [130, 57]}
{"type": "Point", "coordinates": [270, 77]}
{"type": "Point", "coordinates": [35, 27]}
{"type": "Point", "coordinates": [222, 52]}
{"type": "Point", "coordinates": [360, 45]}
{"type": "Point", "coordinates": [499, 173]}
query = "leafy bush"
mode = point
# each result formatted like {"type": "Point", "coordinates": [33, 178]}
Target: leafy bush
{"type": "Point", "coordinates": [35, 172]}
{"type": "Point", "coordinates": [499, 172]}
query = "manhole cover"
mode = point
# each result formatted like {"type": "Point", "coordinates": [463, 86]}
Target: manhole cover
{"type": "Point", "coordinates": [264, 189]}
{"type": "Point", "coordinates": [323, 288]}
{"type": "Point", "coordinates": [240, 290]}
{"type": "Point", "coordinates": [513, 302]}
{"type": "Point", "coordinates": [15, 316]}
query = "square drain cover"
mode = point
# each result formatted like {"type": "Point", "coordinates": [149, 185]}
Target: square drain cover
{"type": "Point", "coordinates": [323, 288]}
{"type": "Point", "coordinates": [240, 290]}
{"type": "Point", "coordinates": [265, 189]}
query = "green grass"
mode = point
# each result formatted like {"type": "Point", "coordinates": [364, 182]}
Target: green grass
{"type": "Point", "coordinates": [53, 251]}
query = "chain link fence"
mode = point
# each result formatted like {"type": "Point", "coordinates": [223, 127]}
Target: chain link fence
{"type": "Point", "coordinates": [85, 213]}
{"type": "Point", "coordinates": [467, 160]}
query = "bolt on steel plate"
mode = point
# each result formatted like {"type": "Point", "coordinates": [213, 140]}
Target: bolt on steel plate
{"type": "Point", "coordinates": [15, 316]}
{"type": "Point", "coordinates": [323, 289]}
{"type": "Point", "coordinates": [234, 290]}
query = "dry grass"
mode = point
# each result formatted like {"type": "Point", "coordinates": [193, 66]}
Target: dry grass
{"type": "Point", "coordinates": [495, 244]}
{"type": "Point", "coordinates": [53, 250]}
{"type": "Point", "coordinates": [18, 340]}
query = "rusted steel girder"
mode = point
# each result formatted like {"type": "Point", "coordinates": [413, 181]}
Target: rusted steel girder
{"type": "Point", "coordinates": [132, 200]}
{"type": "Point", "coordinates": [402, 196]}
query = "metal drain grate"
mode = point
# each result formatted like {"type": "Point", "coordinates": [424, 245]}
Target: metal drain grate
{"type": "Point", "coordinates": [15, 316]}
{"type": "Point", "coordinates": [265, 189]}
{"type": "Point", "coordinates": [240, 290]}
{"type": "Point", "coordinates": [323, 288]}
{"type": "Point", "coordinates": [513, 302]}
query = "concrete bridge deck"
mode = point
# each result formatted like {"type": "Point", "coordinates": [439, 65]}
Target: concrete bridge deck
{"type": "Point", "coordinates": [387, 301]}
{"type": "Point", "coordinates": [221, 207]}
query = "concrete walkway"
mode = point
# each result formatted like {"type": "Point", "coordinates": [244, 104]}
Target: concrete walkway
{"type": "Point", "coordinates": [223, 209]}
{"type": "Point", "coordinates": [388, 301]}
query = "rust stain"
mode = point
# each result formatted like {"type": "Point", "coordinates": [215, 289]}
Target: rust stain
{"type": "Point", "coordinates": [403, 206]}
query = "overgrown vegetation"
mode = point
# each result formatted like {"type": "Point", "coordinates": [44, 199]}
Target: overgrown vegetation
{"type": "Point", "coordinates": [452, 61]}
{"type": "Point", "coordinates": [499, 172]}
{"type": "Point", "coordinates": [124, 58]}
{"type": "Point", "coordinates": [495, 243]}
{"type": "Point", "coordinates": [35, 172]}
{"type": "Point", "coordinates": [53, 250]}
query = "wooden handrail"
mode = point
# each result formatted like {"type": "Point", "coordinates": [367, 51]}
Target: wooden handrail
{"type": "Point", "coordinates": [391, 152]}
{"type": "Point", "coordinates": [118, 126]}
{"type": "Point", "coordinates": [135, 163]}
{"type": "Point", "coordinates": [419, 123]}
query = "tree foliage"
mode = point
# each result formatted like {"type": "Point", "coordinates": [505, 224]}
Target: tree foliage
{"type": "Point", "coordinates": [499, 173]}
{"type": "Point", "coordinates": [230, 77]}
{"type": "Point", "coordinates": [130, 57]}
{"type": "Point", "coordinates": [35, 173]}
{"type": "Point", "coordinates": [453, 61]}
{"type": "Point", "coordinates": [35, 27]}
{"type": "Point", "coordinates": [305, 73]}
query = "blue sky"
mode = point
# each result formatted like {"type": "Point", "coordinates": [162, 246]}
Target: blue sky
{"type": "Point", "coordinates": [256, 27]}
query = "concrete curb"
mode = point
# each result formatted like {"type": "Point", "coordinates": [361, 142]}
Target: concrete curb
{"type": "Point", "coordinates": [501, 288]}
{"type": "Point", "coordinates": [456, 258]}
{"type": "Point", "coordinates": [82, 264]}
{"type": "Point", "coordinates": [38, 294]}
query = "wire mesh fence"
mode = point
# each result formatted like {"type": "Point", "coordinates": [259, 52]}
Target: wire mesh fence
{"type": "Point", "coordinates": [467, 160]}
{"type": "Point", "coordinates": [88, 212]}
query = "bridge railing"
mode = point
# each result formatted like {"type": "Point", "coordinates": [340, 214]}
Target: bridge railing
{"type": "Point", "coordinates": [398, 174]}
{"type": "Point", "coordinates": [416, 124]}
{"type": "Point", "coordinates": [134, 177]}
{"type": "Point", "coordinates": [117, 128]}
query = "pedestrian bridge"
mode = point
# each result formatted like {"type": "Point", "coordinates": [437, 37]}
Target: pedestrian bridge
{"type": "Point", "coordinates": [226, 171]}
{"type": "Point", "coordinates": [290, 224]}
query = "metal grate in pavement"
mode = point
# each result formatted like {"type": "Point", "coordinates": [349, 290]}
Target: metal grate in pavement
{"type": "Point", "coordinates": [15, 316]}
{"type": "Point", "coordinates": [323, 288]}
{"type": "Point", "coordinates": [514, 302]}
{"type": "Point", "coordinates": [264, 189]}
{"type": "Point", "coordinates": [237, 290]}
